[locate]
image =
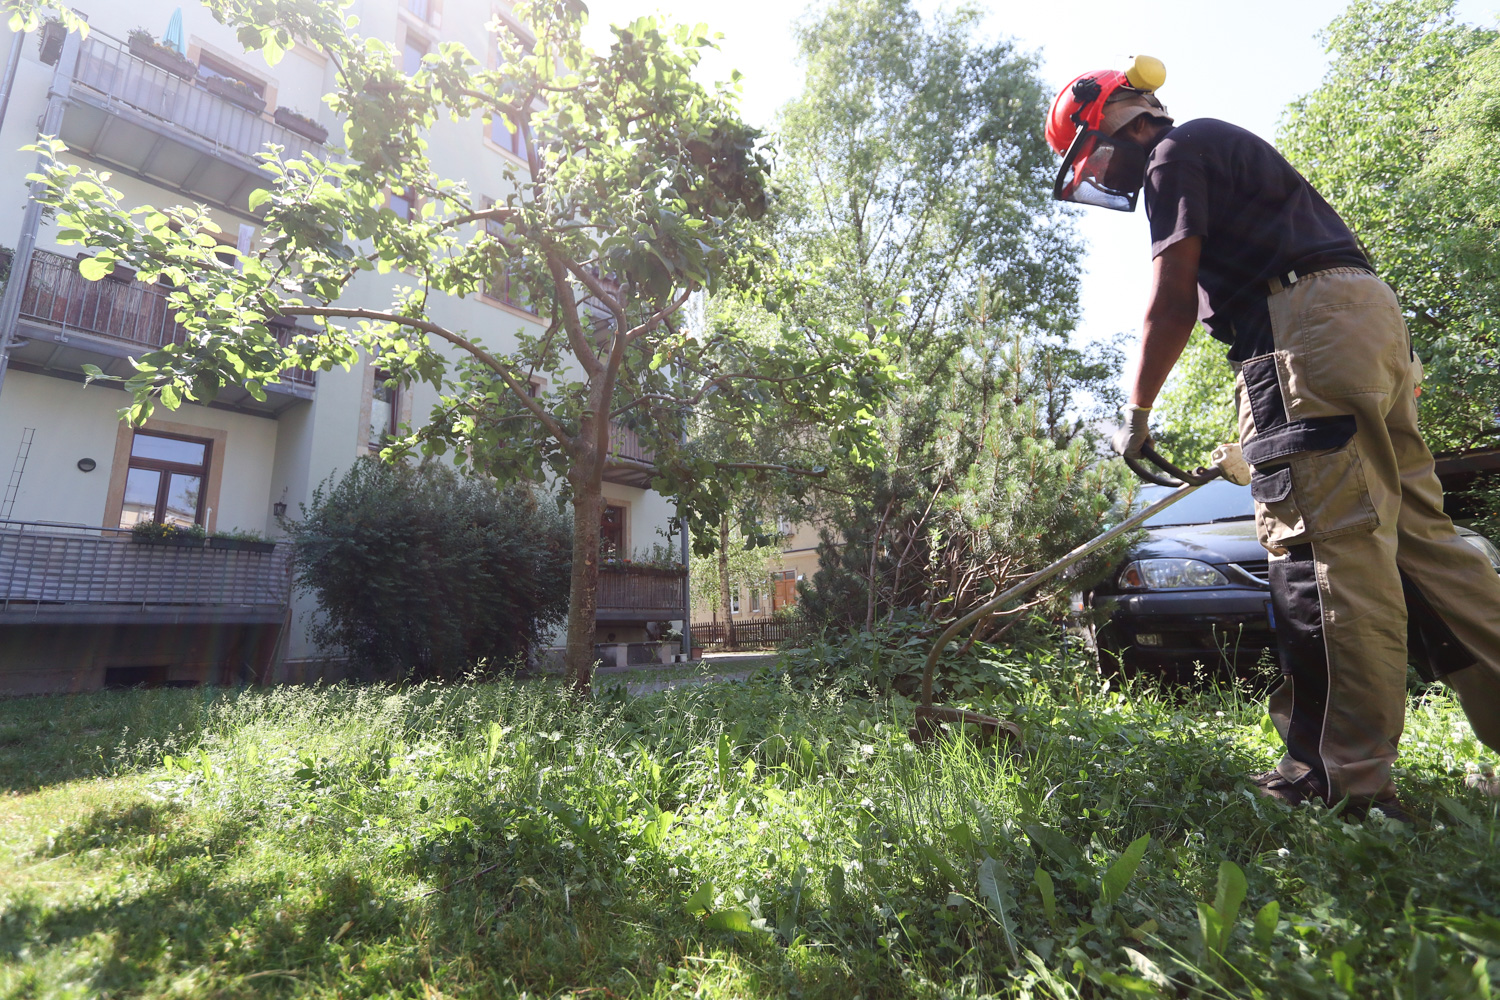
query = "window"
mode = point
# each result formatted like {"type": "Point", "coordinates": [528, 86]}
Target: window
{"type": "Point", "coordinates": [503, 287]}
{"type": "Point", "coordinates": [413, 48]}
{"type": "Point", "coordinates": [754, 603]}
{"type": "Point", "coordinates": [211, 68]}
{"type": "Point", "coordinates": [612, 532]}
{"type": "Point", "coordinates": [165, 480]}
{"type": "Point", "coordinates": [385, 415]}
{"type": "Point", "coordinates": [734, 604]}
{"type": "Point", "coordinates": [508, 137]}
{"type": "Point", "coordinates": [425, 9]}
{"type": "Point", "coordinates": [400, 204]}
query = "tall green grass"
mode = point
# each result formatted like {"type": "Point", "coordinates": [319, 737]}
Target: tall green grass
{"type": "Point", "coordinates": [722, 840]}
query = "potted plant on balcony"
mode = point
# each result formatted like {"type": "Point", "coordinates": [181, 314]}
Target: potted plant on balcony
{"type": "Point", "coordinates": [158, 533]}
{"type": "Point", "coordinates": [297, 122]}
{"type": "Point", "coordinates": [53, 33]}
{"type": "Point", "coordinates": [143, 45]}
{"type": "Point", "coordinates": [241, 541]}
{"type": "Point", "coordinates": [234, 91]}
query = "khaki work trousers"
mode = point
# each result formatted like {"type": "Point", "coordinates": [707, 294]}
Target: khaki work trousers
{"type": "Point", "coordinates": [1349, 507]}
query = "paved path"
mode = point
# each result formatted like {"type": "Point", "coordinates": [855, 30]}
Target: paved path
{"type": "Point", "coordinates": [648, 679]}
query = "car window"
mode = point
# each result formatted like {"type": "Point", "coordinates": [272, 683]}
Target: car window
{"type": "Point", "coordinates": [1218, 501]}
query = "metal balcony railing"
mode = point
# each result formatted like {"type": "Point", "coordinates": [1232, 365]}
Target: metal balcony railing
{"type": "Point", "coordinates": [107, 66]}
{"type": "Point", "coordinates": [125, 310]}
{"type": "Point", "coordinates": [45, 565]}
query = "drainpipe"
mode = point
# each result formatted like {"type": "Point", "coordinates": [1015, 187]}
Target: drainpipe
{"type": "Point", "coordinates": [31, 220]}
{"type": "Point", "coordinates": [687, 589]}
{"type": "Point", "coordinates": [11, 62]}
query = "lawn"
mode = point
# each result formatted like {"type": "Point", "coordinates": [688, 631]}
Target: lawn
{"type": "Point", "coordinates": [718, 840]}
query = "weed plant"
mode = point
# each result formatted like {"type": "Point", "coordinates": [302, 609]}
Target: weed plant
{"type": "Point", "coordinates": [723, 840]}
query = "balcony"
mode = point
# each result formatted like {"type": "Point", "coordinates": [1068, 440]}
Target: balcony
{"type": "Point", "coordinates": [140, 119]}
{"type": "Point", "coordinates": [68, 321]}
{"type": "Point", "coordinates": [640, 594]}
{"type": "Point", "coordinates": [623, 443]}
{"type": "Point", "coordinates": [60, 574]}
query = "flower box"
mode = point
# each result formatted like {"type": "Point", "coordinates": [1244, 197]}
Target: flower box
{"type": "Point", "coordinates": [183, 541]}
{"type": "Point", "coordinates": [143, 46]}
{"type": "Point", "coordinates": [301, 124]}
{"type": "Point", "coordinates": [234, 92]}
{"type": "Point", "coordinates": [240, 544]}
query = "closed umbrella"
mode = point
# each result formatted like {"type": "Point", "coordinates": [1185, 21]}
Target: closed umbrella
{"type": "Point", "coordinates": [173, 37]}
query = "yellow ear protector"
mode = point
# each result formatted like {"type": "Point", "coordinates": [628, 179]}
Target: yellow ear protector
{"type": "Point", "coordinates": [1146, 73]}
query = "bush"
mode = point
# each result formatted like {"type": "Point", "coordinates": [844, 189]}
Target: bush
{"type": "Point", "coordinates": [889, 660]}
{"type": "Point", "coordinates": [424, 573]}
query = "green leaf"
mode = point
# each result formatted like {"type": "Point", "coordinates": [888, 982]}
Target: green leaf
{"type": "Point", "coordinates": [1265, 924]}
{"type": "Point", "coordinates": [1054, 843]}
{"type": "Point", "coordinates": [258, 197]}
{"type": "Point", "coordinates": [94, 268]}
{"type": "Point", "coordinates": [735, 920]}
{"type": "Point", "coordinates": [1227, 899]}
{"type": "Point", "coordinates": [994, 887]}
{"type": "Point", "coordinates": [1123, 870]}
{"type": "Point", "coordinates": [701, 900]}
{"type": "Point", "coordinates": [1043, 882]}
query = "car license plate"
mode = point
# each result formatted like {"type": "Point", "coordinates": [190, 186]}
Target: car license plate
{"type": "Point", "coordinates": [1271, 616]}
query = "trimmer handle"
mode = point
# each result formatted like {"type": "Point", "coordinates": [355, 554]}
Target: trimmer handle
{"type": "Point", "coordinates": [1170, 476]}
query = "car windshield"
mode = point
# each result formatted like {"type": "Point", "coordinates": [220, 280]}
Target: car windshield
{"type": "Point", "coordinates": [1218, 501]}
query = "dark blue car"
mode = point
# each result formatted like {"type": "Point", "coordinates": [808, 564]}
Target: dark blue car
{"type": "Point", "coordinates": [1194, 592]}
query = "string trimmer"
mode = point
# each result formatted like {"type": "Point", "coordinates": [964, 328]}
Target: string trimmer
{"type": "Point", "coordinates": [1227, 463]}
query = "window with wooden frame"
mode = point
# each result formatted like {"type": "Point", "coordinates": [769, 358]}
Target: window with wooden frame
{"type": "Point", "coordinates": [413, 48]}
{"type": "Point", "coordinates": [612, 532]}
{"type": "Point", "coordinates": [385, 409]}
{"type": "Point", "coordinates": [509, 137]}
{"type": "Point", "coordinates": [429, 11]}
{"type": "Point", "coordinates": [503, 287]}
{"type": "Point", "coordinates": [165, 480]}
{"type": "Point", "coordinates": [404, 205]}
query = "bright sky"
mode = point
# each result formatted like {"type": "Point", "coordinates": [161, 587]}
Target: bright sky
{"type": "Point", "coordinates": [1230, 59]}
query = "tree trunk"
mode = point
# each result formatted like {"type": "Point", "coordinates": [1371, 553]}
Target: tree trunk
{"type": "Point", "coordinates": [583, 592]}
{"type": "Point", "coordinates": [724, 581]}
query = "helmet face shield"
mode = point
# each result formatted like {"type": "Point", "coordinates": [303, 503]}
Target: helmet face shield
{"type": "Point", "coordinates": [1099, 170]}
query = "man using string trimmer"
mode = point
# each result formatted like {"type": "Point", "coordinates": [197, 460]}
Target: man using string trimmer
{"type": "Point", "coordinates": [1346, 499]}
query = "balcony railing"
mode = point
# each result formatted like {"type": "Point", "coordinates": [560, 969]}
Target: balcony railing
{"type": "Point", "coordinates": [629, 593]}
{"type": "Point", "coordinates": [49, 571]}
{"type": "Point", "coordinates": [623, 443]}
{"type": "Point", "coordinates": [108, 67]}
{"type": "Point", "coordinates": [125, 310]}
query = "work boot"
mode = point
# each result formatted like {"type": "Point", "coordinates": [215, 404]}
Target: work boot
{"type": "Point", "coordinates": [1486, 782]}
{"type": "Point", "coordinates": [1275, 785]}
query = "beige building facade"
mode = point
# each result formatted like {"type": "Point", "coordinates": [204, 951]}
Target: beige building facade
{"type": "Point", "coordinates": [82, 603]}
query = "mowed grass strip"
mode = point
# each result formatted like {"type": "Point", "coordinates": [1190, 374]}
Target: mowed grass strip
{"type": "Point", "coordinates": [723, 840]}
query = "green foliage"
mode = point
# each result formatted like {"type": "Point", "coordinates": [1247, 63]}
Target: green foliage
{"type": "Point", "coordinates": [420, 573]}
{"type": "Point", "coordinates": [726, 840]}
{"type": "Point", "coordinates": [979, 491]}
{"type": "Point", "coordinates": [1400, 139]}
{"type": "Point", "coordinates": [1195, 413]}
{"type": "Point", "coordinates": [889, 660]}
{"type": "Point", "coordinates": [641, 188]}
{"type": "Point", "coordinates": [163, 531]}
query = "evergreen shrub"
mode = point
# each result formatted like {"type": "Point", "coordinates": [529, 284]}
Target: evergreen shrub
{"type": "Point", "coordinates": [423, 573]}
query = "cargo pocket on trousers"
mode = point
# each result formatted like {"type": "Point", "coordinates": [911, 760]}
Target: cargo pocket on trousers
{"type": "Point", "coordinates": [1331, 493]}
{"type": "Point", "coordinates": [1278, 522]}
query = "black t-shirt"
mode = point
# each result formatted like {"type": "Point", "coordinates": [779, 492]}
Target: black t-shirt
{"type": "Point", "coordinates": [1258, 217]}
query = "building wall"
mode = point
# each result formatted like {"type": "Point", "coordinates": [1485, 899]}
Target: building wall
{"type": "Point", "coordinates": [265, 459]}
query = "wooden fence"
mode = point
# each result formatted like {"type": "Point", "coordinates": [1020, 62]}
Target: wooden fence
{"type": "Point", "coordinates": [762, 633]}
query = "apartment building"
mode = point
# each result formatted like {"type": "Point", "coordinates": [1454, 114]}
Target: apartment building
{"type": "Point", "coordinates": [796, 560]}
{"type": "Point", "coordinates": [178, 116]}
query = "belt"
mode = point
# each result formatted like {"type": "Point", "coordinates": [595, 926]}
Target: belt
{"type": "Point", "coordinates": [1279, 283]}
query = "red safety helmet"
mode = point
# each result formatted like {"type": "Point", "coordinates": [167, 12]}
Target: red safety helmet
{"type": "Point", "coordinates": [1096, 169]}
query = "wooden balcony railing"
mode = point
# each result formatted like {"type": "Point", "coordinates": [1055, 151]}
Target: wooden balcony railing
{"type": "Point", "coordinates": [108, 67]}
{"type": "Point", "coordinates": [639, 593]}
{"type": "Point", "coordinates": [126, 310]}
{"type": "Point", "coordinates": [46, 569]}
